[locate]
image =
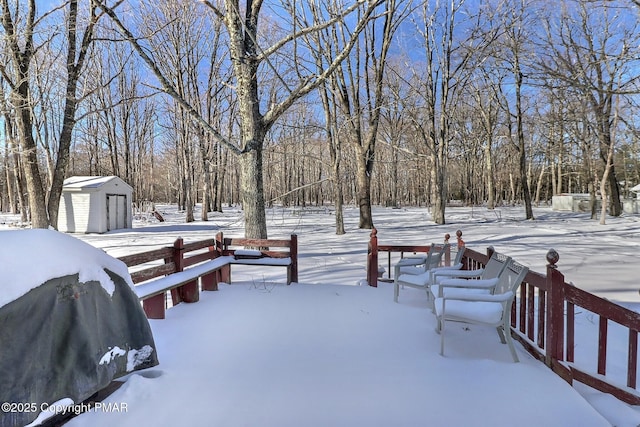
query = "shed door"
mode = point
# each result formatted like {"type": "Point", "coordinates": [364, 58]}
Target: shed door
{"type": "Point", "coordinates": [116, 211]}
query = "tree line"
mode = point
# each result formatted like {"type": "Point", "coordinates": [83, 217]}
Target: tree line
{"type": "Point", "coordinates": [391, 102]}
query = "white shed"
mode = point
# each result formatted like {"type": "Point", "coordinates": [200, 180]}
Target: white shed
{"type": "Point", "coordinates": [94, 204]}
{"type": "Point", "coordinates": [573, 202]}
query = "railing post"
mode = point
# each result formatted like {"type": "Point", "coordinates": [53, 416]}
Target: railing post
{"type": "Point", "coordinates": [209, 282]}
{"type": "Point", "coordinates": [178, 254]}
{"type": "Point", "coordinates": [372, 259]}
{"type": "Point", "coordinates": [490, 251]}
{"type": "Point", "coordinates": [224, 274]}
{"type": "Point", "coordinates": [555, 317]}
{"type": "Point", "coordinates": [188, 292]}
{"type": "Point", "coordinates": [293, 253]}
{"type": "Point", "coordinates": [178, 247]}
{"type": "Point", "coordinates": [459, 239]}
{"type": "Point", "coordinates": [447, 252]}
{"type": "Point", "coordinates": [219, 239]}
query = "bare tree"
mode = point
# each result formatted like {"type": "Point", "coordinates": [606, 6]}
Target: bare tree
{"type": "Point", "coordinates": [78, 44]}
{"type": "Point", "coordinates": [515, 40]}
{"type": "Point", "coordinates": [485, 98]}
{"type": "Point", "coordinates": [248, 57]}
{"type": "Point", "coordinates": [354, 98]}
{"type": "Point", "coordinates": [334, 137]}
{"type": "Point", "coordinates": [363, 109]}
{"type": "Point", "coordinates": [451, 45]}
{"type": "Point", "coordinates": [592, 48]}
{"type": "Point", "coordinates": [12, 164]}
{"type": "Point", "coordinates": [395, 130]}
{"type": "Point", "coordinates": [19, 27]}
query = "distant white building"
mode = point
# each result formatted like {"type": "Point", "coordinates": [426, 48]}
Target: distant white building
{"type": "Point", "coordinates": [94, 204]}
{"type": "Point", "coordinates": [572, 202]}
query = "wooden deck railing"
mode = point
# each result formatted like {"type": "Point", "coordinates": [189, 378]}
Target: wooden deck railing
{"type": "Point", "coordinates": [544, 321]}
{"type": "Point", "coordinates": [373, 254]}
{"type": "Point", "coordinates": [269, 249]}
{"type": "Point", "coordinates": [184, 269]}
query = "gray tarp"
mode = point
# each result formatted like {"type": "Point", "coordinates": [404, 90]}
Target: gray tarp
{"type": "Point", "coordinates": [54, 338]}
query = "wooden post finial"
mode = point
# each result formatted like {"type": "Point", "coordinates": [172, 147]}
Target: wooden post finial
{"type": "Point", "coordinates": [459, 238]}
{"type": "Point", "coordinates": [447, 237]}
{"type": "Point", "coordinates": [374, 232]}
{"type": "Point", "coordinates": [552, 258]}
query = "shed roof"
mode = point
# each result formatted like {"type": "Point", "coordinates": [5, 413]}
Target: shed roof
{"type": "Point", "coordinates": [87, 182]}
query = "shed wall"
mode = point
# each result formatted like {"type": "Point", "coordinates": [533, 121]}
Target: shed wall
{"type": "Point", "coordinates": [96, 209]}
{"type": "Point", "coordinates": [73, 214]}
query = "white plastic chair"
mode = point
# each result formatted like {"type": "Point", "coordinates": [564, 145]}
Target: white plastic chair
{"type": "Point", "coordinates": [424, 279]}
{"type": "Point", "coordinates": [480, 278]}
{"type": "Point", "coordinates": [423, 263]}
{"type": "Point", "coordinates": [414, 264]}
{"type": "Point", "coordinates": [490, 309]}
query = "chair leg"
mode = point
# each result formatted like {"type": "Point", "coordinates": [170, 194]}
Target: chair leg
{"type": "Point", "coordinates": [440, 330]}
{"type": "Point", "coordinates": [438, 319]}
{"type": "Point", "coordinates": [396, 291]}
{"type": "Point", "coordinates": [501, 334]}
{"type": "Point", "coordinates": [507, 334]}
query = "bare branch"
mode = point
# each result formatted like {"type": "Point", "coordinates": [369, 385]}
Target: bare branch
{"type": "Point", "coordinates": [164, 82]}
{"type": "Point", "coordinates": [312, 83]}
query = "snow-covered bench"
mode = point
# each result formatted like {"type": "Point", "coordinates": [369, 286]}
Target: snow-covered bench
{"type": "Point", "coordinates": [184, 269]}
{"type": "Point", "coordinates": [263, 252]}
{"type": "Point", "coordinates": [183, 284]}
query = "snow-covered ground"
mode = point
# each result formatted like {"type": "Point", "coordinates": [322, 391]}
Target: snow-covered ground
{"type": "Point", "coordinates": [261, 353]}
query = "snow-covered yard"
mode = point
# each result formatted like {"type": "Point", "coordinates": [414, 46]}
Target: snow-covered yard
{"type": "Point", "coordinates": [329, 351]}
{"type": "Point", "coordinates": [331, 355]}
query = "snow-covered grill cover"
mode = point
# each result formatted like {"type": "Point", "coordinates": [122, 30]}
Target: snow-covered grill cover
{"type": "Point", "coordinates": [73, 334]}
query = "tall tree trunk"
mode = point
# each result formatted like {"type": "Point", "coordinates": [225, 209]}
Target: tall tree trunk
{"type": "Point", "coordinates": [363, 179]}
{"type": "Point", "coordinates": [206, 172]}
{"type": "Point", "coordinates": [438, 200]}
{"type": "Point", "coordinates": [338, 198]}
{"type": "Point", "coordinates": [21, 53]}
{"type": "Point", "coordinates": [35, 190]}
{"type": "Point", "coordinates": [603, 184]}
{"type": "Point", "coordinates": [252, 194]}
{"type": "Point", "coordinates": [522, 153]}
{"type": "Point", "coordinates": [12, 170]}
{"type": "Point", "coordinates": [491, 190]}
{"type": "Point", "coordinates": [335, 153]}
{"type": "Point", "coordinates": [539, 185]}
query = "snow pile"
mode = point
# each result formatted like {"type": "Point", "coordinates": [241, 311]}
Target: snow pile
{"type": "Point", "coordinates": [28, 258]}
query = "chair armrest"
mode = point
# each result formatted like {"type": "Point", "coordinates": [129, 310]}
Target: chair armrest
{"type": "Point", "coordinates": [471, 283]}
{"type": "Point", "coordinates": [448, 268]}
{"type": "Point", "coordinates": [445, 270]}
{"type": "Point", "coordinates": [458, 273]}
{"type": "Point", "coordinates": [481, 297]}
{"type": "Point", "coordinates": [411, 261]}
{"type": "Point", "coordinates": [462, 284]}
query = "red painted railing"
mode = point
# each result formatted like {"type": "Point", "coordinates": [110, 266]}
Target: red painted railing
{"type": "Point", "coordinates": [374, 249]}
{"type": "Point", "coordinates": [544, 321]}
{"type": "Point", "coordinates": [158, 263]}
